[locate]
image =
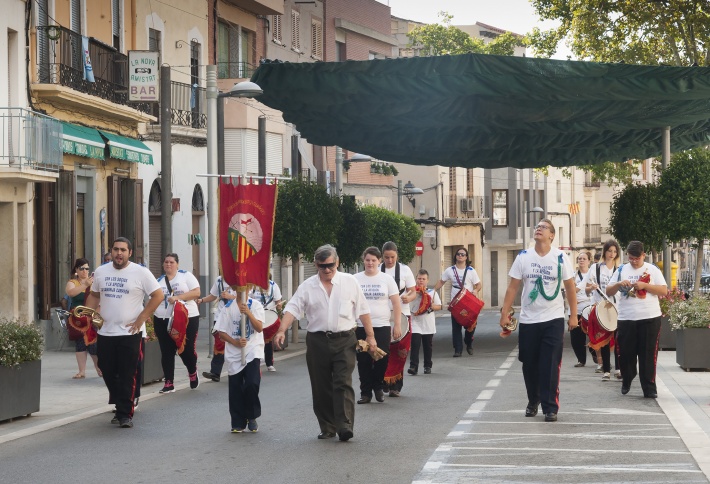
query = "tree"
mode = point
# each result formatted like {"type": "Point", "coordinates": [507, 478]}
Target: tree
{"type": "Point", "coordinates": [385, 225]}
{"type": "Point", "coordinates": [684, 202]}
{"type": "Point", "coordinates": [635, 215]}
{"type": "Point", "coordinates": [354, 234]}
{"type": "Point", "coordinates": [649, 32]}
{"type": "Point", "coordinates": [445, 39]}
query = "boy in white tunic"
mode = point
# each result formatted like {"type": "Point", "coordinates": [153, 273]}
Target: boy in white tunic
{"type": "Point", "coordinates": [423, 324]}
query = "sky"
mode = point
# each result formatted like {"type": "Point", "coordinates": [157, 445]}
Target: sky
{"type": "Point", "coordinates": [517, 16]}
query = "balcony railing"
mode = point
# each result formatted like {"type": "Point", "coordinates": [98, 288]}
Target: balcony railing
{"type": "Point", "coordinates": [592, 233]}
{"type": "Point", "coordinates": [188, 105]}
{"type": "Point", "coordinates": [235, 70]}
{"type": "Point", "coordinates": [29, 140]}
{"type": "Point", "coordinates": [60, 61]}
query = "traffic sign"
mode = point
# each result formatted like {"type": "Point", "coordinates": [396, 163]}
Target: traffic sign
{"type": "Point", "coordinates": [419, 248]}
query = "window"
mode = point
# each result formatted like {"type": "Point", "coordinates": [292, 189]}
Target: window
{"type": "Point", "coordinates": [559, 191]}
{"type": "Point", "coordinates": [233, 48]}
{"type": "Point", "coordinates": [340, 54]}
{"type": "Point", "coordinates": [154, 40]}
{"type": "Point", "coordinates": [500, 208]}
{"type": "Point", "coordinates": [316, 39]}
{"type": "Point", "coordinates": [276, 29]}
{"type": "Point", "coordinates": [296, 31]}
{"type": "Point", "coordinates": [116, 23]}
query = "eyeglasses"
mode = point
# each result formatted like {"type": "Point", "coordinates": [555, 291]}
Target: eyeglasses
{"type": "Point", "coordinates": [323, 267]}
{"type": "Point", "coordinates": [83, 268]}
{"type": "Point", "coordinates": [461, 254]}
{"type": "Point", "coordinates": [543, 227]}
{"type": "Point", "coordinates": [635, 259]}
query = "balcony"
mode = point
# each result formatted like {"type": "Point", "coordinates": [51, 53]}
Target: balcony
{"type": "Point", "coordinates": [188, 106]}
{"type": "Point", "coordinates": [592, 234]}
{"type": "Point", "coordinates": [60, 63]}
{"type": "Point", "coordinates": [235, 70]}
{"type": "Point", "coordinates": [30, 145]}
{"type": "Point", "coordinates": [589, 184]}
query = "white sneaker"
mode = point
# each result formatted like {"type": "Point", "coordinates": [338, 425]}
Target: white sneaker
{"type": "Point", "coordinates": [606, 377]}
{"type": "Point", "coordinates": [599, 369]}
{"type": "Point", "coordinates": [617, 374]}
{"type": "Point", "coordinates": [270, 368]}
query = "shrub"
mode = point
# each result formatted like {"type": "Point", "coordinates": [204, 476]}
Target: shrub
{"type": "Point", "coordinates": [691, 313]}
{"type": "Point", "coordinates": [674, 296]}
{"type": "Point", "coordinates": [19, 341]}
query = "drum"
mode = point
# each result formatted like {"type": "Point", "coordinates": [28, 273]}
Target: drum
{"type": "Point", "coordinates": [465, 308]}
{"type": "Point", "coordinates": [584, 322]}
{"type": "Point", "coordinates": [404, 324]}
{"type": "Point", "coordinates": [271, 324]}
{"type": "Point", "coordinates": [605, 315]}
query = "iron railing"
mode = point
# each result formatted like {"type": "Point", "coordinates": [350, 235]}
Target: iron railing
{"type": "Point", "coordinates": [235, 70]}
{"type": "Point", "coordinates": [592, 234]}
{"type": "Point", "coordinates": [188, 105]}
{"type": "Point", "coordinates": [30, 140]}
{"type": "Point", "coordinates": [60, 61]}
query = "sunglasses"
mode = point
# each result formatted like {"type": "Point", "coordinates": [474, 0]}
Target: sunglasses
{"type": "Point", "coordinates": [83, 268]}
{"type": "Point", "coordinates": [323, 267]}
{"type": "Point", "coordinates": [461, 254]}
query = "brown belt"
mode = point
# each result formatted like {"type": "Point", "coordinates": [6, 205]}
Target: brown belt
{"type": "Point", "coordinates": [336, 334]}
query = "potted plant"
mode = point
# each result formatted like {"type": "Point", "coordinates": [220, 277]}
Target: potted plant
{"type": "Point", "coordinates": [151, 366]}
{"type": "Point", "coordinates": [395, 171]}
{"type": "Point", "coordinates": [667, 339]}
{"type": "Point", "coordinates": [690, 319]}
{"type": "Point", "coordinates": [20, 368]}
{"type": "Point", "coordinates": [386, 170]}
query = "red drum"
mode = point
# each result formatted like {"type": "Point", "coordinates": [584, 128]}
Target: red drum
{"type": "Point", "coordinates": [465, 308]}
{"type": "Point", "coordinates": [584, 322]}
{"type": "Point", "coordinates": [271, 324]}
{"type": "Point", "coordinates": [605, 315]}
{"type": "Point", "coordinates": [404, 326]}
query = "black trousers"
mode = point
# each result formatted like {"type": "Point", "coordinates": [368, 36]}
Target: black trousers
{"type": "Point", "coordinates": [118, 359]}
{"type": "Point", "coordinates": [244, 403]}
{"type": "Point", "coordinates": [456, 329]}
{"type": "Point", "coordinates": [371, 372]}
{"type": "Point", "coordinates": [269, 353]}
{"type": "Point", "coordinates": [168, 348]}
{"type": "Point", "coordinates": [331, 361]}
{"type": "Point", "coordinates": [426, 341]}
{"type": "Point", "coordinates": [606, 355]}
{"type": "Point", "coordinates": [541, 356]}
{"type": "Point", "coordinates": [638, 341]}
{"type": "Point", "coordinates": [578, 338]}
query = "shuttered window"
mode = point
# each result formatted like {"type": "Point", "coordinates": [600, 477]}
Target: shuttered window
{"type": "Point", "coordinates": [316, 39]}
{"type": "Point", "coordinates": [154, 40]}
{"type": "Point", "coordinates": [274, 154]}
{"type": "Point", "coordinates": [116, 23]}
{"type": "Point", "coordinates": [42, 41]}
{"type": "Point", "coordinates": [75, 20]}
{"type": "Point", "coordinates": [295, 30]}
{"type": "Point", "coordinates": [276, 29]}
{"type": "Point", "coordinates": [238, 144]}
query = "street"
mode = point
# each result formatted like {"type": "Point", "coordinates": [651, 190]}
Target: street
{"type": "Point", "coordinates": [463, 423]}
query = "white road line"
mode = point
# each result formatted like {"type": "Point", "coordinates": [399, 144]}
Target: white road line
{"type": "Point", "coordinates": [507, 363]}
{"type": "Point", "coordinates": [450, 447]}
{"type": "Point", "coordinates": [476, 407]}
{"type": "Point", "coordinates": [574, 468]}
{"type": "Point", "coordinates": [540, 422]}
{"type": "Point", "coordinates": [580, 435]}
{"type": "Point", "coordinates": [485, 395]}
{"type": "Point", "coordinates": [572, 412]}
{"type": "Point", "coordinates": [464, 422]}
{"type": "Point", "coordinates": [501, 373]}
{"type": "Point", "coordinates": [493, 383]}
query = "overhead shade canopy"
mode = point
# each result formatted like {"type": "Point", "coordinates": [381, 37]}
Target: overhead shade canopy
{"type": "Point", "coordinates": [82, 141]}
{"type": "Point", "coordinates": [128, 149]}
{"type": "Point", "coordinates": [490, 111]}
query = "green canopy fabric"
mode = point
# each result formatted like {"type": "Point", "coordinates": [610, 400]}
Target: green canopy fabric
{"type": "Point", "coordinates": [128, 149]}
{"type": "Point", "coordinates": [490, 111]}
{"type": "Point", "coordinates": [82, 141]}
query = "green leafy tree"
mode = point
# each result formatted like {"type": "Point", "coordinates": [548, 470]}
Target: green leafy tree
{"type": "Point", "coordinates": [649, 32]}
{"type": "Point", "coordinates": [354, 234]}
{"type": "Point", "coordinates": [385, 225]}
{"type": "Point", "coordinates": [684, 190]}
{"type": "Point", "coordinates": [635, 215]}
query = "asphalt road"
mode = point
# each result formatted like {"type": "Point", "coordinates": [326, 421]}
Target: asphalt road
{"type": "Point", "coordinates": [463, 423]}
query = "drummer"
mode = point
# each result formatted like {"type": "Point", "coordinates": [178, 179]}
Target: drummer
{"type": "Point", "coordinates": [272, 302]}
{"type": "Point", "coordinates": [598, 277]}
{"type": "Point", "coordinates": [380, 291]}
{"type": "Point", "coordinates": [577, 337]}
{"type": "Point", "coordinates": [640, 284]}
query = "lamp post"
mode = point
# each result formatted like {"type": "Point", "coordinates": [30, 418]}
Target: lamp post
{"type": "Point", "coordinates": [525, 218]}
{"type": "Point", "coordinates": [409, 190]}
{"type": "Point", "coordinates": [570, 224]}
{"type": "Point", "coordinates": [242, 89]}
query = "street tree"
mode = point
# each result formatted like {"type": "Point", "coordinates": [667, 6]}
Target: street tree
{"type": "Point", "coordinates": [354, 234]}
{"type": "Point", "coordinates": [385, 225]}
{"type": "Point", "coordinates": [635, 215]}
{"type": "Point", "coordinates": [684, 202]}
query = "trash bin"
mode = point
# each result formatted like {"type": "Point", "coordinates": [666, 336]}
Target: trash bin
{"type": "Point", "coordinates": [674, 273]}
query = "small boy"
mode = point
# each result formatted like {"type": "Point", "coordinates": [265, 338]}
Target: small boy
{"type": "Point", "coordinates": [244, 380]}
{"type": "Point", "coordinates": [423, 324]}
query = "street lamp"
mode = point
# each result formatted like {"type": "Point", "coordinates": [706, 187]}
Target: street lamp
{"type": "Point", "coordinates": [242, 89]}
{"type": "Point", "coordinates": [410, 190]}
{"type": "Point", "coordinates": [570, 225]}
{"type": "Point", "coordinates": [525, 218]}
{"type": "Point", "coordinates": [339, 167]}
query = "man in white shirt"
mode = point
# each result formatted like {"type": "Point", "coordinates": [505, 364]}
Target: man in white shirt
{"type": "Point", "coordinates": [542, 316]}
{"type": "Point", "coordinates": [332, 302]}
{"type": "Point", "coordinates": [120, 288]}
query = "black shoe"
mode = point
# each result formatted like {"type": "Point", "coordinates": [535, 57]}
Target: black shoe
{"type": "Point", "coordinates": [531, 410]}
{"type": "Point", "coordinates": [211, 376]}
{"type": "Point", "coordinates": [427, 371]}
{"type": "Point", "coordinates": [550, 417]}
{"type": "Point", "coordinates": [326, 435]}
{"type": "Point", "coordinates": [364, 399]}
{"type": "Point", "coordinates": [126, 423]}
{"type": "Point", "coordinates": [380, 395]}
{"type": "Point", "coordinates": [457, 354]}
{"type": "Point", "coordinates": [194, 381]}
{"type": "Point", "coordinates": [412, 371]}
{"type": "Point", "coordinates": [345, 434]}
{"type": "Point", "coordinates": [625, 389]}
{"type": "Point", "coordinates": [650, 395]}
{"type": "Point", "coordinates": [469, 350]}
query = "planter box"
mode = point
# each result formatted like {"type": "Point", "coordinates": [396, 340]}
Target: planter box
{"type": "Point", "coordinates": [20, 386]}
{"type": "Point", "coordinates": [692, 348]}
{"type": "Point", "coordinates": [151, 368]}
{"type": "Point", "coordinates": [667, 338]}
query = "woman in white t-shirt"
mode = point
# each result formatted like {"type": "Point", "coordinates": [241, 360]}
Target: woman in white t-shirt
{"type": "Point", "coordinates": [380, 291]}
{"type": "Point", "coordinates": [577, 336]}
{"type": "Point", "coordinates": [182, 286]}
{"type": "Point", "coordinates": [462, 274]}
{"type": "Point", "coordinates": [640, 284]}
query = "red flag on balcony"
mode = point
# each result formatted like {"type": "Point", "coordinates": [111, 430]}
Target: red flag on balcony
{"type": "Point", "coordinates": [245, 233]}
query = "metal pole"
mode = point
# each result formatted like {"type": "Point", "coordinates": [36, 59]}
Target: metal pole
{"type": "Point", "coordinates": [212, 202]}
{"type": "Point", "coordinates": [262, 146]}
{"type": "Point", "coordinates": [525, 221]}
{"type": "Point", "coordinates": [665, 160]}
{"type": "Point", "coordinates": [399, 196]}
{"type": "Point", "coordinates": [220, 136]}
{"type": "Point", "coordinates": [339, 171]}
{"type": "Point", "coordinates": [166, 165]}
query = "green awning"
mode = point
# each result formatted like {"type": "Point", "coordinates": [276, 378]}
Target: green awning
{"type": "Point", "coordinates": [491, 111]}
{"type": "Point", "coordinates": [128, 149]}
{"type": "Point", "coordinates": [82, 141]}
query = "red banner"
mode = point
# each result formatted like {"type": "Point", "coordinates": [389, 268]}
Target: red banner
{"type": "Point", "coordinates": [246, 229]}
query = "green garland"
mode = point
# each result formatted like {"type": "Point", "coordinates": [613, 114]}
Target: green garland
{"type": "Point", "coordinates": [539, 287]}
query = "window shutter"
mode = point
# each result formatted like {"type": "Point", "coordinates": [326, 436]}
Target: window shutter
{"type": "Point", "coordinates": [276, 28]}
{"type": "Point", "coordinates": [317, 39]}
{"type": "Point", "coordinates": [75, 20]}
{"type": "Point", "coordinates": [274, 154]}
{"type": "Point", "coordinates": [295, 30]}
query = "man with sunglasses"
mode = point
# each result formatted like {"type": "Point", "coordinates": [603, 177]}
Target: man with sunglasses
{"type": "Point", "coordinates": [332, 302]}
{"type": "Point", "coordinates": [541, 271]}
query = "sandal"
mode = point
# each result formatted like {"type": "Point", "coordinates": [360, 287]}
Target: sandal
{"type": "Point", "coordinates": [78, 376]}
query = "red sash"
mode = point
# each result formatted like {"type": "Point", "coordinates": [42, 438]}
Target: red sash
{"type": "Point", "coordinates": [398, 357]}
{"type": "Point", "coordinates": [178, 329]}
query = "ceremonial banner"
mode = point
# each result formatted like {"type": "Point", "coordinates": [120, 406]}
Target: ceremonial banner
{"type": "Point", "coordinates": [245, 232]}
